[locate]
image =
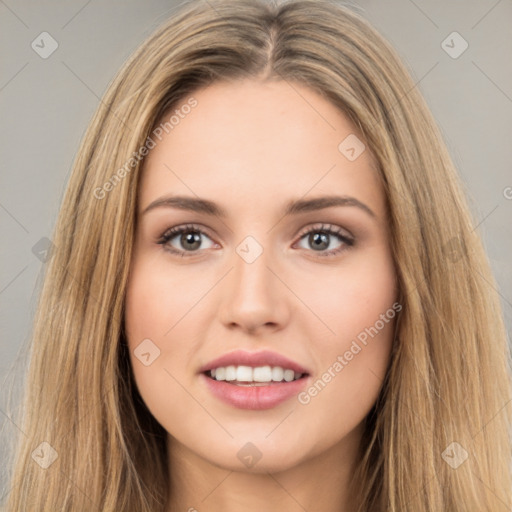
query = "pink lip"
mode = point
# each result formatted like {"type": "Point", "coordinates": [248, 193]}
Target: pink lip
{"type": "Point", "coordinates": [253, 359]}
{"type": "Point", "coordinates": [254, 397]}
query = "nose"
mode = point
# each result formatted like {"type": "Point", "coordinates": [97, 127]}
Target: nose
{"type": "Point", "coordinates": [253, 298]}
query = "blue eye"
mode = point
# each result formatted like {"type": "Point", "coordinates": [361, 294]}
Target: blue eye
{"type": "Point", "coordinates": [190, 237]}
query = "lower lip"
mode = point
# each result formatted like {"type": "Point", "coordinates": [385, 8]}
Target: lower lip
{"type": "Point", "coordinates": [254, 397]}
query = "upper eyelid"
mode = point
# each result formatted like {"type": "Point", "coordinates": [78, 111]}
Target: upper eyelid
{"type": "Point", "coordinates": [323, 226]}
{"type": "Point", "coordinates": [184, 227]}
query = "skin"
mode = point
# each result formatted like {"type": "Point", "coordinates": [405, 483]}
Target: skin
{"type": "Point", "coordinates": [251, 147]}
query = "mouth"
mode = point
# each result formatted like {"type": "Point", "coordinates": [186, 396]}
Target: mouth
{"type": "Point", "coordinates": [258, 376]}
{"type": "Point", "coordinates": [254, 380]}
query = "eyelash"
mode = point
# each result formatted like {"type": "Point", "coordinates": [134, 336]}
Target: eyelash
{"type": "Point", "coordinates": [328, 229]}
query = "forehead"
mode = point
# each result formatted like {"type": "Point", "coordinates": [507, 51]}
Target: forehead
{"type": "Point", "coordinates": [253, 141]}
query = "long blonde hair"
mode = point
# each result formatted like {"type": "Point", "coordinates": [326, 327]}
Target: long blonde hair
{"type": "Point", "coordinates": [449, 376]}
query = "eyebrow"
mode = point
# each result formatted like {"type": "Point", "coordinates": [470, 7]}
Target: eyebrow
{"type": "Point", "coordinates": [292, 208]}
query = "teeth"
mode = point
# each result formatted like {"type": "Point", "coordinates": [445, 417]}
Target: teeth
{"type": "Point", "coordinates": [257, 374]}
{"type": "Point", "coordinates": [277, 373]}
{"type": "Point", "coordinates": [231, 373]}
{"type": "Point", "coordinates": [244, 374]}
{"type": "Point", "coordinates": [289, 375]}
{"type": "Point", "coordinates": [262, 374]}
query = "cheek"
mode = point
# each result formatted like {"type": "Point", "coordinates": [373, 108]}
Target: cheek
{"type": "Point", "coordinates": [150, 313]}
{"type": "Point", "coordinates": [351, 298]}
{"type": "Point", "coordinates": [163, 306]}
{"type": "Point", "coordinates": [358, 305]}
{"type": "Point", "coordinates": [158, 299]}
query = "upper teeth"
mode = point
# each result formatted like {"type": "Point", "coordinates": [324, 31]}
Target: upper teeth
{"type": "Point", "coordinates": [257, 374]}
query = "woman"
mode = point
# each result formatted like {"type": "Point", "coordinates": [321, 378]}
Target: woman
{"type": "Point", "coordinates": [262, 367]}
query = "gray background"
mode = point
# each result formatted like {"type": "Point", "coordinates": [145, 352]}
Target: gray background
{"type": "Point", "coordinates": [46, 105]}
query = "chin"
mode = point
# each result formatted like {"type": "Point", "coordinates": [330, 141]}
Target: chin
{"type": "Point", "coordinates": [255, 454]}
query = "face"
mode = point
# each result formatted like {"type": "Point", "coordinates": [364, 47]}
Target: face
{"type": "Point", "coordinates": [251, 265]}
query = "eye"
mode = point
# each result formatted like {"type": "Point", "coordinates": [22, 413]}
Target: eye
{"type": "Point", "coordinates": [321, 237]}
{"type": "Point", "coordinates": [189, 237]}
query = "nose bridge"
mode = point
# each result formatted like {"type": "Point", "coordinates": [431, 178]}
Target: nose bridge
{"type": "Point", "coordinates": [251, 274]}
{"type": "Point", "coordinates": [253, 297]}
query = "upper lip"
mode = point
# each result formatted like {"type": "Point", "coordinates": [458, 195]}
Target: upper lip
{"type": "Point", "coordinates": [254, 359]}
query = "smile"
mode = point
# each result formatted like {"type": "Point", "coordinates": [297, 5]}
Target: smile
{"type": "Point", "coordinates": [248, 376]}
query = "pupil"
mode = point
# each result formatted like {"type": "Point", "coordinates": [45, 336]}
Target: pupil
{"type": "Point", "coordinates": [320, 238]}
{"type": "Point", "coordinates": [192, 238]}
